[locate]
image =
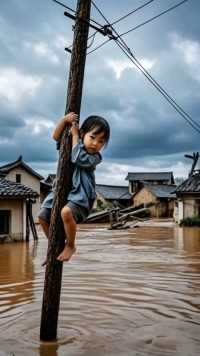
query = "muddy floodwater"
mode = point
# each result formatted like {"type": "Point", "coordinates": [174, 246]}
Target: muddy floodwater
{"type": "Point", "coordinates": [125, 292]}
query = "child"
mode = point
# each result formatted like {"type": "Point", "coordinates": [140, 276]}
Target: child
{"type": "Point", "coordinates": [86, 146]}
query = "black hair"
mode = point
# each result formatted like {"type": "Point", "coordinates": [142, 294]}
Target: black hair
{"type": "Point", "coordinates": [98, 124]}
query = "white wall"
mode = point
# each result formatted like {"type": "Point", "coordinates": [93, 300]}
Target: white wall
{"type": "Point", "coordinates": [30, 181]}
{"type": "Point", "coordinates": [16, 216]}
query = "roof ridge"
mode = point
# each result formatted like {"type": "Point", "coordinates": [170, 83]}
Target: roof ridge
{"type": "Point", "coordinates": [19, 161]}
{"type": "Point", "coordinates": [114, 186]}
{"type": "Point", "coordinates": [151, 172]}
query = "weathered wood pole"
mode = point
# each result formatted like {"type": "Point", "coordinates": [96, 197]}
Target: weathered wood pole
{"type": "Point", "coordinates": [53, 275]}
{"type": "Point", "coordinates": [27, 221]}
{"type": "Point", "coordinates": [31, 221]}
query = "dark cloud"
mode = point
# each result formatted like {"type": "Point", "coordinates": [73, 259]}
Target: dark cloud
{"type": "Point", "coordinates": [10, 121]}
{"type": "Point", "coordinates": [147, 132]}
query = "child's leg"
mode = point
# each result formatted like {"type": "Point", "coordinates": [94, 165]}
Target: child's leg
{"type": "Point", "coordinates": [45, 226]}
{"type": "Point", "coordinates": [70, 232]}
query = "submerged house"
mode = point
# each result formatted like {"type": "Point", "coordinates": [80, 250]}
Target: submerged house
{"type": "Point", "coordinates": [162, 198]}
{"type": "Point", "coordinates": [115, 195]}
{"type": "Point", "coordinates": [19, 172]}
{"type": "Point", "coordinates": [13, 209]}
{"type": "Point", "coordinates": [154, 188]}
{"type": "Point", "coordinates": [188, 194]}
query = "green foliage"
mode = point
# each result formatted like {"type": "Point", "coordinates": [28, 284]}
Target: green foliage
{"type": "Point", "coordinates": [193, 221]}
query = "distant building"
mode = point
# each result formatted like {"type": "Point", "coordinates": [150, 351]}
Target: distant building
{"type": "Point", "coordinates": [13, 209]}
{"type": "Point", "coordinates": [138, 179]}
{"type": "Point", "coordinates": [160, 196]}
{"type": "Point", "coordinates": [19, 172]}
{"type": "Point", "coordinates": [116, 195]}
{"type": "Point", "coordinates": [188, 194]}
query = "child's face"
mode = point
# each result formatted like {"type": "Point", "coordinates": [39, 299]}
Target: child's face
{"type": "Point", "coordinates": [93, 142]}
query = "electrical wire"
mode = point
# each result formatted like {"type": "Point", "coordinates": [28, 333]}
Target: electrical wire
{"type": "Point", "coordinates": [63, 5]}
{"type": "Point", "coordinates": [120, 19]}
{"type": "Point", "coordinates": [140, 25]}
{"type": "Point", "coordinates": [92, 41]}
{"type": "Point", "coordinates": [72, 10]}
{"type": "Point", "coordinates": [121, 43]}
{"type": "Point", "coordinates": [132, 12]}
{"type": "Point", "coordinates": [170, 100]}
{"type": "Point", "coordinates": [154, 17]}
{"type": "Point", "coordinates": [99, 46]}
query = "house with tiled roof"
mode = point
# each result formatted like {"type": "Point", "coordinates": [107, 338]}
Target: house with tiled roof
{"type": "Point", "coordinates": [138, 179]}
{"type": "Point", "coordinates": [20, 172]}
{"type": "Point", "coordinates": [114, 194]}
{"type": "Point", "coordinates": [161, 196]}
{"type": "Point", "coordinates": [13, 209]}
{"type": "Point", "coordinates": [188, 194]}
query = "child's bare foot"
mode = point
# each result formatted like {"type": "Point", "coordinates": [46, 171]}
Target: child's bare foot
{"type": "Point", "coordinates": [66, 254]}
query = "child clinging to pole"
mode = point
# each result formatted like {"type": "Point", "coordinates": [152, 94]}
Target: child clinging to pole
{"type": "Point", "coordinates": [87, 142]}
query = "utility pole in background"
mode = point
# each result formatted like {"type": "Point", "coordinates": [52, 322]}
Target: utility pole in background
{"type": "Point", "coordinates": [195, 158]}
{"type": "Point", "coordinates": [53, 275]}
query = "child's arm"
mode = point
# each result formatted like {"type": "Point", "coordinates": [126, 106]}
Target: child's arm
{"type": "Point", "coordinates": [75, 133]}
{"type": "Point", "coordinates": [79, 155]}
{"type": "Point", "coordinates": [67, 119]}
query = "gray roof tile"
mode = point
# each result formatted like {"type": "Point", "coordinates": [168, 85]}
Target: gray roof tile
{"type": "Point", "coordinates": [149, 176]}
{"type": "Point", "coordinates": [162, 190]}
{"type": "Point", "coordinates": [113, 192]}
{"type": "Point", "coordinates": [190, 185]}
{"type": "Point", "coordinates": [9, 189]}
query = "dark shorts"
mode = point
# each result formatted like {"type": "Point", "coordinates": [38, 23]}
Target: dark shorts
{"type": "Point", "coordinates": [79, 213]}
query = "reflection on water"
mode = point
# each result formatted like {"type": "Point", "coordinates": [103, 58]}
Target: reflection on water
{"type": "Point", "coordinates": [128, 292]}
{"type": "Point", "coordinates": [187, 239]}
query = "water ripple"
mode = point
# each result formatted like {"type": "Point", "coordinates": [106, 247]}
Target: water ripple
{"type": "Point", "coordinates": [129, 292]}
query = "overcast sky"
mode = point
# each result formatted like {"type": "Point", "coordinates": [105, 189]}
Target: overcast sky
{"type": "Point", "coordinates": [147, 134]}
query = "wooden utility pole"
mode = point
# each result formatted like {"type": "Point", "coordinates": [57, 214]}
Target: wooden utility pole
{"type": "Point", "coordinates": [195, 158]}
{"type": "Point", "coordinates": [53, 275]}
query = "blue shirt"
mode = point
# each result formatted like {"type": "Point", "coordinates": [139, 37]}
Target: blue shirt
{"type": "Point", "coordinates": [83, 180]}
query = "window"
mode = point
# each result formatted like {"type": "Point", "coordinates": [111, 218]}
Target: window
{"type": "Point", "coordinates": [4, 221]}
{"type": "Point", "coordinates": [18, 178]}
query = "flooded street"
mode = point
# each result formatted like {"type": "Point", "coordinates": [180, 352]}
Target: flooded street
{"type": "Point", "coordinates": [125, 292]}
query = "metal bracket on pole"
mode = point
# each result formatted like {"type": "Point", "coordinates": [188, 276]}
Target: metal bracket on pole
{"type": "Point", "coordinates": [104, 30]}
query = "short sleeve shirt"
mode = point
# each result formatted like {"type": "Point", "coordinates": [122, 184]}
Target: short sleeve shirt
{"type": "Point", "coordinates": [83, 180]}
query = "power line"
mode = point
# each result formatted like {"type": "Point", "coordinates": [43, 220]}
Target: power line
{"type": "Point", "coordinates": [99, 46]}
{"type": "Point", "coordinates": [170, 100]}
{"type": "Point", "coordinates": [120, 19]}
{"type": "Point", "coordinates": [154, 17]}
{"type": "Point", "coordinates": [132, 12]}
{"type": "Point", "coordinates": [63, 5]}
{"type": "Point", "coordinates": [92, 41]}
{"type": "Point", "coordinates": [140, 25]}
{"type": "Point", "coordinates": [156, 84]}
{"type": "Point", "coordinates": [103, 29]}
{"type": "Point", "coordinates": [72, 10]}
{"type": "Point", "coordinates": [134, 60]}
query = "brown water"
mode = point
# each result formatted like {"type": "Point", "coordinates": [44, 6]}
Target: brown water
{"type": "Point", "coordinates": [128, 292]}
